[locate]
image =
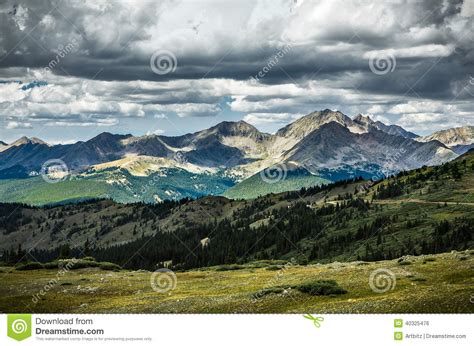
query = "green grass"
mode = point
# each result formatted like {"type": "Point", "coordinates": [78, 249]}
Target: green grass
{"type": "Point", "coordinates": [91, 290]}
{"type": "Point", "coordinates": [36, 191]}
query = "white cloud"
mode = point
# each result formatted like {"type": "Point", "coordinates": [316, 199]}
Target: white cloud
{"type": "Point", "coordinates": [424, 51]}
{"type": "Point", "coordinates": [270, 118]}
{"type": "Point", "coordinates": [18, 125]}
{"type": "Point", "coordinates": [155, 132]}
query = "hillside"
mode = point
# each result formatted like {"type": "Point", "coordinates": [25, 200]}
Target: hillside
{"type": "Point", "coordinates": [427, 210]}
{"type": "Point", "coordinates": [274, 180]}
{"type": "Point", "coordinates": [116, 184]}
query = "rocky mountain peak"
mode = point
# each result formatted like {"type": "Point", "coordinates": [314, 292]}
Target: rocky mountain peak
{"type": "Point", "coordinates": [25, 140]}
{"type": "Point", "coordinates": [307, 124]}
{"type": "Point", "coordinates": [235, 128]}
{"type": "Point", "coordinates": [456, 136]}
{"type": "Point", "coordinates": [363, 120]}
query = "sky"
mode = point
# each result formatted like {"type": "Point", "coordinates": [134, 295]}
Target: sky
{"type": "Point", "coordinates": [70, 70]}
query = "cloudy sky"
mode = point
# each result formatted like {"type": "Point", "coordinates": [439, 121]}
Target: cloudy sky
{"type": "Point", "coordinates": [72, 69]}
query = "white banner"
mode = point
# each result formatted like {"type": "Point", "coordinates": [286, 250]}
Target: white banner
{"type": "Point", "coordinates": [311, 329]}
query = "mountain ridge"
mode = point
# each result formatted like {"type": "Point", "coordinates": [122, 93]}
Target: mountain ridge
{"type": "Point", "coordinates": [328, 144]}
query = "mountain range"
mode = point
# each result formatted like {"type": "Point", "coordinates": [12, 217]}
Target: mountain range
{"type": "Point", "coordinates": [228, 158]}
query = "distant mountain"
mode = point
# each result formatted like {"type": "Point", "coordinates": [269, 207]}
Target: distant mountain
{"type": "Point", "coordinates": [25, 140]}
{"type": "Point", "coordinates": [32, 153]}
{"type": "Point", "coordinates": [334, 146]}
{"type": "Point", "coordinates": [319, 147]}
{"type": "Point", "coordinates": [313, 121]}
{"type": "Point", "coordinates": [460, 139]}
{"type": "Point", "coordinates": [395, 130]}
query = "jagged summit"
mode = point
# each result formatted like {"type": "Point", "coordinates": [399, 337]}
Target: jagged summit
{"type": "Point", "coordinates": [456, 136]}
{"type": "Point", "coordinates": [235, 128]}
{"type": "Point", "coordinates": [26, 140]}
{"type": "Point", "coordinates": [326, 144]}
{"type": "Point", "coordinates": [368, 124]}
{"type": "Point", "coordinates": [307, 124]}
{"type": "Point", "coordinates": [363, 119]}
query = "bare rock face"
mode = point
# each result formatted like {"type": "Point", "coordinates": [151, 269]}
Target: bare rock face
{"type": "Point", "coordinates": [451, 137]}
{"type": "Point", "coordinates": [459, 139]}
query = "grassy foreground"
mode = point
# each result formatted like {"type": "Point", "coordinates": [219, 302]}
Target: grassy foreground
{"type": "Point", "coordinates": [424, 284]}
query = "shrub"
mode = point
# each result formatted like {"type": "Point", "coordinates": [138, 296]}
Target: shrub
{"type": "Point", "coordinates": [89, 258]}
{"type": "Point", "coordinates": [274, 267]}
{"type": "Point", "coordinates": [51, 265]}
{"type": "Point", "coordinates": [404, 263]}
{"type": "Point", "coordinates": [321, 288]}
{"type": "Point", "coordinates": [226, 267]}
{"type": "Point", "coordinates": [418, 279]}
{"type": "Point", "coordinates": [29, 266]}
{"type": "Point", "coordinates": [109, 266]}
{"type": "Point", "coordinates": [79, 264]}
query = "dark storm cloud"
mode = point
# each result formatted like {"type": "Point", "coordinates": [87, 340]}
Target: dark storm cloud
{"type": "Point", "coordinates": [278, 43]}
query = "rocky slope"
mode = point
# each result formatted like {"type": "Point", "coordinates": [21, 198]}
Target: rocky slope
{"type": "Point", "coordinates": [460, 139]}
{"type": "Point", "coordinates": [327, 144]}
{"type": "Point", "coordinates": [395, 130]}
